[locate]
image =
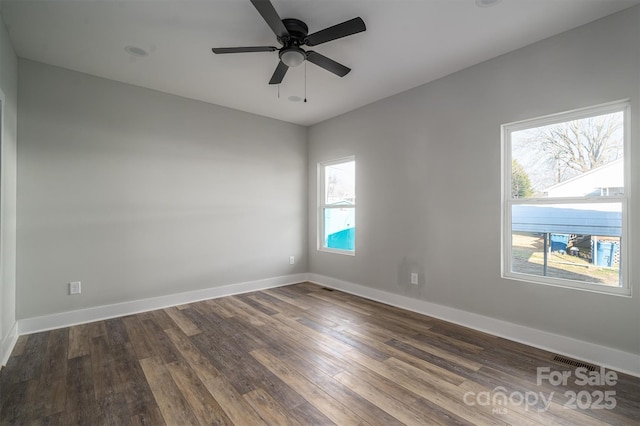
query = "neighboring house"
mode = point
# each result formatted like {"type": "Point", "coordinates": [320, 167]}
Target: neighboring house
{"type": "Point", "coordinates": [603, 180]}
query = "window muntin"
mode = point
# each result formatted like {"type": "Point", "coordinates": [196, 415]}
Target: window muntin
{"type": "Point", "coordinates": [337, 206]}
{"type": "Point", "coordinates": [565, 199]}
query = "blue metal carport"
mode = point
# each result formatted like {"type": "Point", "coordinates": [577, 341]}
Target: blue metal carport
{"type": "Point", "coordinates": [549, 220]}
{"type": "Point", "coordinates": [560, 220]}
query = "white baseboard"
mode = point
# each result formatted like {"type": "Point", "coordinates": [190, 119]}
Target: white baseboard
{"type": "Point", "coordinates": [621, 361]}
{"type": "Point", "coordinates": [81, 316]}
{"type": "Point", "coordinates": [624, 362]}
{"type": "Point", "coordinates": [8, 344]}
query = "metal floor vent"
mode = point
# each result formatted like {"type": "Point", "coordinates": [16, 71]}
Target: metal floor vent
{"type": "Point", "coordinates": [327, 289]}
{"type": "Point", "coordinates": [575, 363]}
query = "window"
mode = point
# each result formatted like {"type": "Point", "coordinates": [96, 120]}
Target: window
{"type": "Point", "coordinates": [565, 197]}
{"type": "Point", "coordinates": [337, 206]}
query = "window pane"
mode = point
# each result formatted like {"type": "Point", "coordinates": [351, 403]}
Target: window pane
{"type": "Point", "coordinates": [339, 228]}
{"type": "Point", "coordinates": [579, 242]}
{"type": "Point", "coordinates": [340, 183]}
{"type": "Point", "coordinates": [576, 158]}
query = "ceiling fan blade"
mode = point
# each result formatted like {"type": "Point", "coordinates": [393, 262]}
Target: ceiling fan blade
{"type": "Point", "coordinates": [244, 49]}
{"type": "Point", "coordinates": [279, 73]}
{"type": "Point", "coordinates": [347, 28]}
{"type": "Point", "coordinates": [269, 14]}
{"type": "Point", "coordinates": [328, 64]}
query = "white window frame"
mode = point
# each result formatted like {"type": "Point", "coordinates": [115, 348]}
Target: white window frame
{"type": "Point", "coordinates": [322, 206]}
{"type": "Point", "coordinates": [507, 202]}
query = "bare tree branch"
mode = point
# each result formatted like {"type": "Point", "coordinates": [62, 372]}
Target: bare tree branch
{"type": "Point", "coordinates": [578, 146]}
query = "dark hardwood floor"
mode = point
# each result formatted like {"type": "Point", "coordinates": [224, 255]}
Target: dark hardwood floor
{"type": "Point", "coordinates": [296, 355]}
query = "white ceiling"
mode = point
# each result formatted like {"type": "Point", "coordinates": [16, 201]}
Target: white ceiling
{"type": "Point", "coordinates": [407, 43]}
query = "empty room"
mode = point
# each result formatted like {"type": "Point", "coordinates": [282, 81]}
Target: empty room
{"type": "Point", "coordinates": [319, 212]}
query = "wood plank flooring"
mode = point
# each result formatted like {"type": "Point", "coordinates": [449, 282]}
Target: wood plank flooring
{"type": "Point", "coordinates": [295, 355]}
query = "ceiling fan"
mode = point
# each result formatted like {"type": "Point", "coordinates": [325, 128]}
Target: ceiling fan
{"type": "Point", "coordinates": [292, 34]}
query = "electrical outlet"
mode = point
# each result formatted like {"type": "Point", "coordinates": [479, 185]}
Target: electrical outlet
{"type": "Point", "coordinates": [75, 287]}
{"type": "Point", "coordinates": [414, 278]}
{"type": "Point", "coordinates": [292, 260]}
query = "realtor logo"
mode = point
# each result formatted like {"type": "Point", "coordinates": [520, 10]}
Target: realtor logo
{"type": "Point", "coordinates": [499, 398]}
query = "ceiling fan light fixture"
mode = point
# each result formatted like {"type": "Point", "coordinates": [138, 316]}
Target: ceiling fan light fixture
{"type": "Point", "coordinates": [292, 57]}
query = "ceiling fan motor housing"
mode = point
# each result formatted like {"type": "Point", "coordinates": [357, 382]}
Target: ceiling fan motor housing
{"type": "Point", "coordinates": [298, 31]}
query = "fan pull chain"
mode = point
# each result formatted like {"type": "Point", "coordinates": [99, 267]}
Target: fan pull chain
{"type": "Point", "coordinates": [305, 81]}
{"type": "Point", "coordinates": [278, 91]}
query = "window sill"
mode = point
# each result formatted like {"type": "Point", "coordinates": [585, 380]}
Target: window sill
{"type": "Point", "coordinates": [556, 282]}
{"type": "Point", "coordinates": [337, 251]}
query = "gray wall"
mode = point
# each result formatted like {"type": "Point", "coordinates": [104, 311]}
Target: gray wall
{"type": "Point", "coordinates": [9, 86]}
{"type": "Point", "coordinates": [429, 172]}
{"type": "Point", "coordinates": [138, 194]}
